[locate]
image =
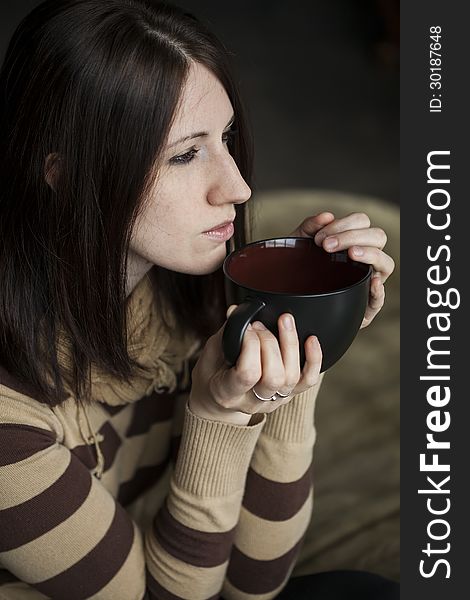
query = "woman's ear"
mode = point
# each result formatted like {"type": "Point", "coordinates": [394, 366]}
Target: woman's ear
{"type": "Point", "coordinates": [51, 169]}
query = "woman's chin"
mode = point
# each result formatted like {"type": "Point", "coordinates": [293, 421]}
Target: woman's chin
{"type": "Point", "coordinates": [210, 263]}
{"type": "Point", "coordinates": [208, 267]}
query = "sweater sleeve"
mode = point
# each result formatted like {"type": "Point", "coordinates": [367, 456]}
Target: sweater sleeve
{"type": "Point", "coordinates": [65, 535]}
{"type": "Point", "coordinates": [277, 504]}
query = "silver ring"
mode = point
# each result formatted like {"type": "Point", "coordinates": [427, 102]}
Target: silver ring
{"type": "Point", "coordinates": [275, 396]}
{"type": "Point", "coordinates": [282, 395]}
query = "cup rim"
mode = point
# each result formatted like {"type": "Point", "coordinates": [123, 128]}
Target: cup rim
{"type": "Point", "coordinates": [307, 240]}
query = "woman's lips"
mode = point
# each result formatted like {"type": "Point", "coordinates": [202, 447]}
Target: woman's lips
{"type": "Point", "coordinates": [220, 234]}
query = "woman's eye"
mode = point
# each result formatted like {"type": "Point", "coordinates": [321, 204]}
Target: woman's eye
{"type": "Point", "coordinates": [185, 158]}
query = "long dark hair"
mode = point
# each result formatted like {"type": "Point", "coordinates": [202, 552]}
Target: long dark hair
{"type": "Point", "coordinates": [93, 85]}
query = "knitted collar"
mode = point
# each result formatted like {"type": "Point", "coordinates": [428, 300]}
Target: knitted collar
{"type": "Point", "coordinates": [164, 361]}
{"type": "Point", "coordinates": [160, 353]}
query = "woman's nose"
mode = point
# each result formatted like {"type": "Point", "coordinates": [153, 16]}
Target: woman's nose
{"type": "Point", "coordinates": [228, 185]}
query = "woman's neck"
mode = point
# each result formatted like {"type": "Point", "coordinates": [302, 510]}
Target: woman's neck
{"type": "Point", "coordinates": [137, 268]}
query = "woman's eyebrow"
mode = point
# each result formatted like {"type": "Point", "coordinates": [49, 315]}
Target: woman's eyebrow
{"type": "Point", "coordinates": [199, 134]}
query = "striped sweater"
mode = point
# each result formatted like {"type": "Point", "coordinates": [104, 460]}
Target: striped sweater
{"type": "Point", "coordinates": [137, 497]}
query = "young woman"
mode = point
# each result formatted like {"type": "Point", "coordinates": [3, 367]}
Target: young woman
{"type": "Point", "coordinates": [126, 473]}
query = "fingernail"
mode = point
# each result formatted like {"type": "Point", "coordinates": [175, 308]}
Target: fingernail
{"type": "Point", "coordinates": [258, 325]}
{"type": "Point", "coordinates": [358, 251]}
{"type": "Point", "coordinates": [331, 243]}
{"type": "Point", "coordinates": [288, 322]}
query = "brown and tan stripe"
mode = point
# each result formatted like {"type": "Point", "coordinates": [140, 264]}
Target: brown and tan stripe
{"type": "Point", "coordinates": [20, 482]}
{"type": "Point", "coordinates": [151, 409]}
{"type": "Point", "coordinates": [252, 532]}
{"type": "Point", "coordinates": [275, 501]}
{"type": "Point", "coordinates": [74, 421]}
{"type": "Point", "coordinates": [129, 581]}
{"type": "Point", "coordinates": [19, 442]}
{"type": "Point", "coordinates": [156, 444]}
{"type": "Point", "coordinates": [181, 579]}
{"type": "Point", "coordinates": [156, 592]}
{"type": "Point", "coordinates": [186, 553]}
{"type": "Point", "coordinates": [98, 567]}
{"type": "Point", "coordinates": [110, 445]}
{"type": "Point", "coordinates": [113, 410]}
{"type": "Point", "coordinates": [17, 409]}
{"type": "Point", "coordinates": [87, 526]}
{"type": "Point", "coordinates": [37, 515]}
{"type": "Point", "coordinates": [143, 479]}
{"type": "Point", "coordinates": [260, 576]}
{"type": "Point", "coordinates": [122, 420]}
{"type": "Point", "coordinates": [86, 454]}
{"type": "Point", "coordinates": [229, 591]}
{"type": "Point", "coordinates": [191, 546]}
{"type": "Point", "coordinates": [146, 450]}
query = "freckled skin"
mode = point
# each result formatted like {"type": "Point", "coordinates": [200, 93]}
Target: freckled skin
{"type": "Point", "coordinates": [191, 197]}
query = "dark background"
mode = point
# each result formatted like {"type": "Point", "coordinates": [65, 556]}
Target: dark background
{"type": "Point", "coordinates": [321, 82]}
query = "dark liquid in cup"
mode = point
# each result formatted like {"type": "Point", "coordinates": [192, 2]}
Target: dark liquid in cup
{"type": "Point", "coordinates": [299, 268]}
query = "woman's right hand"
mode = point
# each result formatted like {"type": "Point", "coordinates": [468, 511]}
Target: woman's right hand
{"type": "Point", "coordinates": [223, 393]}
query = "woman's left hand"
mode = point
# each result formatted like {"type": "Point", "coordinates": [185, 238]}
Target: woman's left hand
{"type": "Point", "coordinates": [363, 243]}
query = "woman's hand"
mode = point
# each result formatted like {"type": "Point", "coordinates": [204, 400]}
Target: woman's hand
{"type": "Point", "coordinates": [221, 393]}
{"type": "Point", "coordinates": [363, 243]}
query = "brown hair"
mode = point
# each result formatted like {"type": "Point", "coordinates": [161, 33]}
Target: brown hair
{"type": "Point", "coordinates": [94, 83]}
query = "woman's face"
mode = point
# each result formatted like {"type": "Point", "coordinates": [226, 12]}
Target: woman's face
{"type": "Point", "coordinates": [197, 188]}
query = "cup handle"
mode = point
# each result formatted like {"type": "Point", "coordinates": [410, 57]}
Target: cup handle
{"type": "Point", "coordinates": [236, 325]}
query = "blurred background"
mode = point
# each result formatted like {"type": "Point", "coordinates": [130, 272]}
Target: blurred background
{"type": "Point", "coordinates": [321, 82]}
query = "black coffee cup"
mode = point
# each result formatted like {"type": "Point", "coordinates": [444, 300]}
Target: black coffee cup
{"type": "Point", "coordinates": [327, 293]}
